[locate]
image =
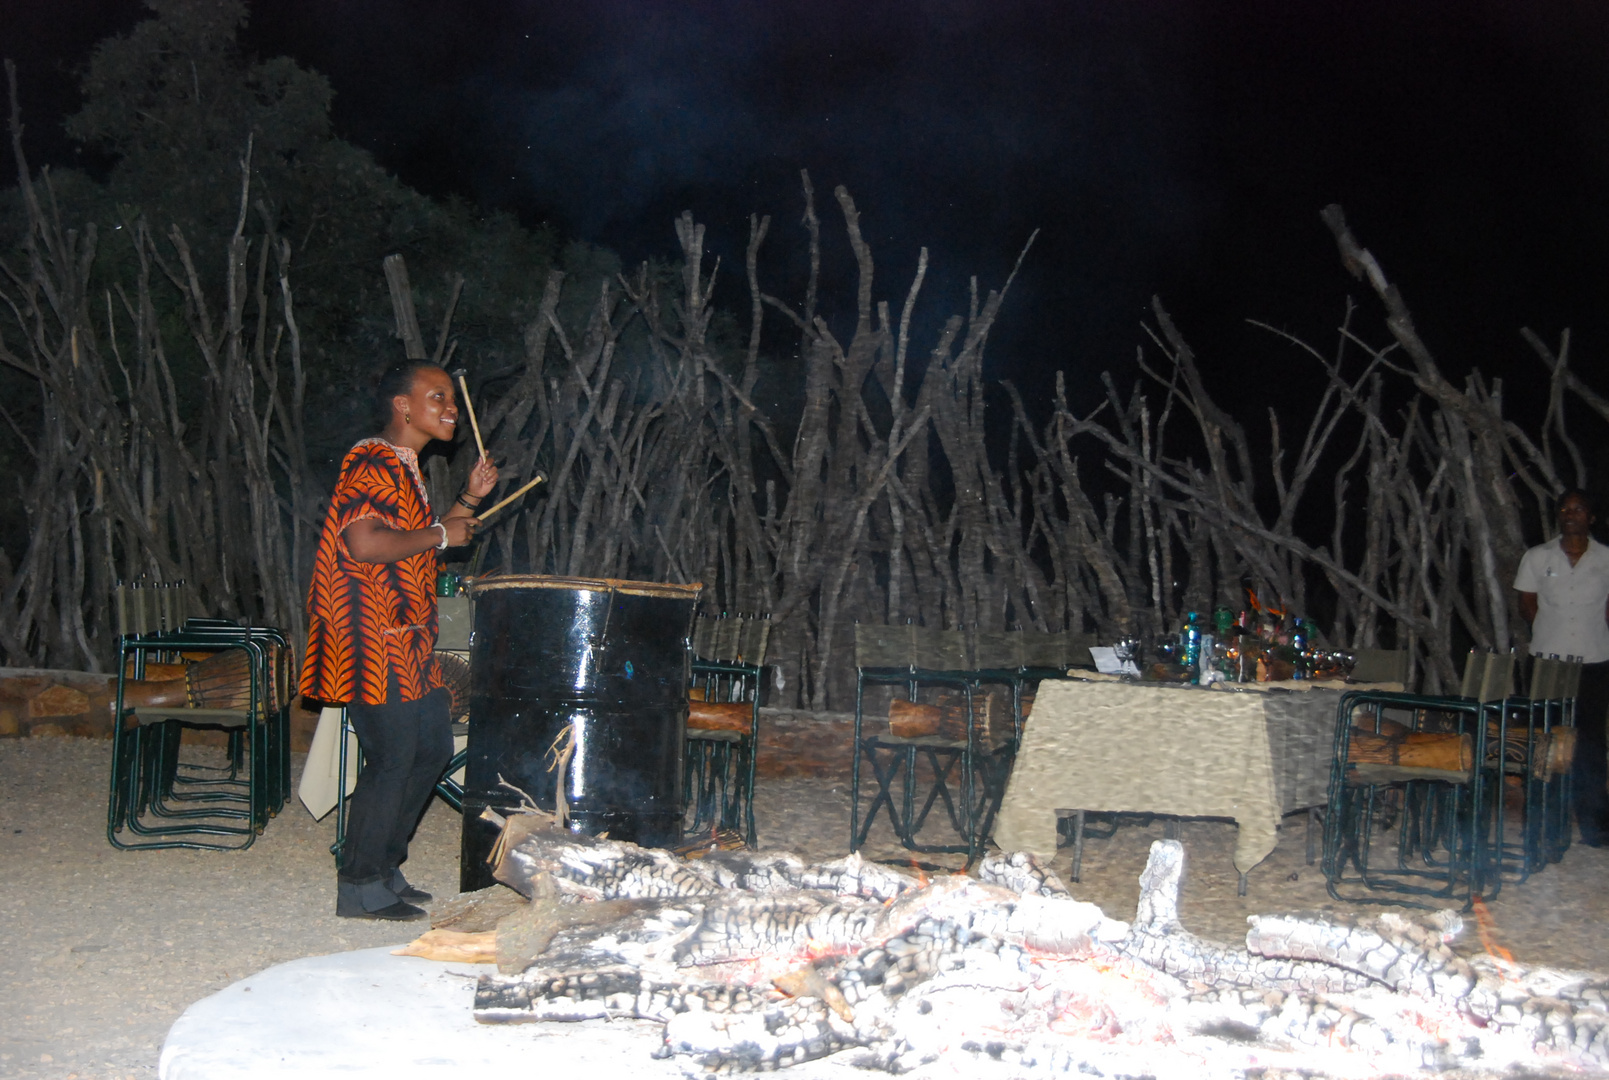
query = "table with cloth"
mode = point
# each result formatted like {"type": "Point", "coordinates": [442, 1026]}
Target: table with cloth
{"type": "Point", "coordinates": [1252, 752]}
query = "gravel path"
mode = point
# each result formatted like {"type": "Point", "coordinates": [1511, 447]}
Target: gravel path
{"type": "Point", "coordinates": [104, 949]}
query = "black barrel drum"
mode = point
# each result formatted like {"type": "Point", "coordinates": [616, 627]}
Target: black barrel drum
{"type": "Point", "coordinates": [604, 659]}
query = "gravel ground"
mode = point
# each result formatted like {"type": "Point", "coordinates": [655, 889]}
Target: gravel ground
{"type": "Point", "coordinates": [104, 949]}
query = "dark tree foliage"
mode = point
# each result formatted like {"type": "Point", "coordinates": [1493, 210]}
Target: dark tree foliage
{"type": "Point", "coordinates": [174, 102]}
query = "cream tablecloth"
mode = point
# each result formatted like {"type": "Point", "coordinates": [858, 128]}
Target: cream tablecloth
{"type": "Point", "coordinates": [1251, 755]}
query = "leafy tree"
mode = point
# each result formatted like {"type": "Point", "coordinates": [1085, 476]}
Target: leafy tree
{"type": "Point", "coordinates": [174, 101]}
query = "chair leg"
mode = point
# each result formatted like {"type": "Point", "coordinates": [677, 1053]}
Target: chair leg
{"type": "Point", "coordinates": [734, 795]}
{"type": "Point", "coordinates": [693, 770]}
{"type": "Point", "coordinates": [450, 790]}
{"type": "Point", "coordinates": [120, 796]}
{"type": "Point", "coordinates": [692, 780]}
{"type": "Point", "coordinates": [717, 789]}
{"type": "Point", "coordinates": [883, 799]}
{"type": "Point", "coordinates": [340, 792]}
{"type": "Point", "coordinates": [939, 790]}
{"type": "Point", "coordinates": [857, 836]}
{"type": "Point", "coordinates": [996, 772]}
{"type": "Point", "coordinates": [751, 761]}
{"type": "Point", "coordinates": [907, 833]}
{"type": "Point", "coordinates": [1078, 845]}
{"type": "Point", "coordinates": [750, 752]}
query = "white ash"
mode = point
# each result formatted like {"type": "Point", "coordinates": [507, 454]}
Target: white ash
{"type": "Point", "coordinates": [1010, 976]}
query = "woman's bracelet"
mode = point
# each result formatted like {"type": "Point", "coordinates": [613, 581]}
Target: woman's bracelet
{"type": "Point", "coordinates": [438, 525]}
{"type": "Point", "coordinates": [464, 500]}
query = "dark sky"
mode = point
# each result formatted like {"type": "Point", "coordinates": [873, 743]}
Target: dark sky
{"type": "Point", "coordinates": [1182, 148]}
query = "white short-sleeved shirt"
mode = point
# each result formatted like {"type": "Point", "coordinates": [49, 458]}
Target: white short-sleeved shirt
{"type": "Point", "coordinates": [1570, 600]}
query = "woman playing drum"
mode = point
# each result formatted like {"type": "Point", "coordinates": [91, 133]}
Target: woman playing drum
{"type": "Point", "coordinates": [372, 625]}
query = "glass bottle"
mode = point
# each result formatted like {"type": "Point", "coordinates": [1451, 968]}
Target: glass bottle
{"type": "Point", "coordinates": [1225, 621]}
{"type": "Point", "coordinates": [1299, 633]}
{"type": "Point", "coordinates": [1190, 642]}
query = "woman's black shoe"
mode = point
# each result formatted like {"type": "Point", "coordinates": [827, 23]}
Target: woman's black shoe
{"type": "Point", "coordinates": [372, 900]}
{"type": "Point", "coordinates": [404, 891]}
{"type": "Point", "coordinates": [398, 912]}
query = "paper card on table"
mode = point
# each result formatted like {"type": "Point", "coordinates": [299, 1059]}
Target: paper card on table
{"type": "Point", "coordinates": [1107, 663]}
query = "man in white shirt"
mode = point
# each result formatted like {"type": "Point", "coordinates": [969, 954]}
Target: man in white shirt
{"type": "Point", "coordinates": [1564, 593]}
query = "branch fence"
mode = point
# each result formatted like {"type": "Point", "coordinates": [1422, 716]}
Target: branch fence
{"type": "Point", "coordinates": [878, 501]}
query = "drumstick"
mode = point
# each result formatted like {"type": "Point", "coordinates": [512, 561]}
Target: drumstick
{"type": "Point", "coordinates": [498, 506]}
{"type": "Point", "coordinates": [474, 425]}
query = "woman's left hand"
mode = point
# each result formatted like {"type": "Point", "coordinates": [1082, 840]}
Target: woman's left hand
{"type": "Point", "coordinates": [482, 477]}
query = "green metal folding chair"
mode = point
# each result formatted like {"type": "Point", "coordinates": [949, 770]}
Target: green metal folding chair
{"type": "Point", "coordinates": [157, 799]}
{"type": "Point", "coordinates": [966, 776]}
{"type": "Point", "coordinates": [1538, 744]}
{"type": "Point", "coordinates": [1450, 828]}
{"type": "Point", "coordinates": [719, 765]}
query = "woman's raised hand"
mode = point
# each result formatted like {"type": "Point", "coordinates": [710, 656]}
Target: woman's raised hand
{"type": "Point", "coordinates": [482, 477]}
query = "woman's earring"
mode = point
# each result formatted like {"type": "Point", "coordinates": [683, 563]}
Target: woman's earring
{"type": "Point", "coordinates": [407, 418]}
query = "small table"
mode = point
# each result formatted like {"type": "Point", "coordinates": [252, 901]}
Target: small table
{"type": "Point", "coordinates": [1251, 752]}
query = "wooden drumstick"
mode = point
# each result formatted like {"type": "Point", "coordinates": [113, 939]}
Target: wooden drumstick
{"type": "Point", "coordinates": [474, 425]}
{"type": "Point", "coordinates": [498, 506]}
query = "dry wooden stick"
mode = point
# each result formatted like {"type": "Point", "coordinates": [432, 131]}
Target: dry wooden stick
{"type": "Point", "coordinates": [474, 424]}
{"type": "Point", "coordinates": [537, 479]}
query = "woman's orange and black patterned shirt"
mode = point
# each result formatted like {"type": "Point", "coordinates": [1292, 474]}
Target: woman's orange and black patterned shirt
{"type": "Point", "coordinates": [370, 625]}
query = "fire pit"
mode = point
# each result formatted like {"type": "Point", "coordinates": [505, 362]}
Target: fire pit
{"type": "Point", "coordinates": [759, 961]}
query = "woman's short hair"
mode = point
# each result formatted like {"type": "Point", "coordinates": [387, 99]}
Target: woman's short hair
{"type": "Point", "coordinates": [396, 379]}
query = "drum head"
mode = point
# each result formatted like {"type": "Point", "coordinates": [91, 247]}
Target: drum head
{"type": "Point", "coordinates": [668, 590]}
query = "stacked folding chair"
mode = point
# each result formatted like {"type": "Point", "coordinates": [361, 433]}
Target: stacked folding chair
{"type": "Point", "coordinates": [164, 790]}
{"type": "Point", "coordinates": [1532, 753]}
{"type": "Point", "coordinates": [1451, 819]}
{"type": "Point", "coordinates": [724, 723]}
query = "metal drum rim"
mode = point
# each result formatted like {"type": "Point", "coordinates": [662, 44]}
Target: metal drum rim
{"type": "Point", "coordinates": [663, 589]}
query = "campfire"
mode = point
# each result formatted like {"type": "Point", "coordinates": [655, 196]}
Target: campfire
{"type": "Point", "coordinates": [756, 961]}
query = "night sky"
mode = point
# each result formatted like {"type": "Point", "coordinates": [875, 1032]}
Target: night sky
{"type": "Point", "coordinates": [1179, 148]}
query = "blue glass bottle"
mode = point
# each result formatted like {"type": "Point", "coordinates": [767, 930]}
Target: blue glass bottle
{"type": "Point", "coordinates": [1190, 640]}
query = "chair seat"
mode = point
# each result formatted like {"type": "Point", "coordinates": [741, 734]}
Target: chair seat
{"type": "Point", "coordinates": [985, 747]}
{"type": "Point", "coordinates": [712, 735]}
{"type": "Point", "coordinates": [921, 741]}
{"type": "Point", "coordinates": [185, 714]}
{"type": "Point", "coordinates": [1366, 774]}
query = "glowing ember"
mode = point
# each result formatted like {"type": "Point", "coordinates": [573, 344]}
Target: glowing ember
{"type": "Point", "coordinates": [1486, 928]}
